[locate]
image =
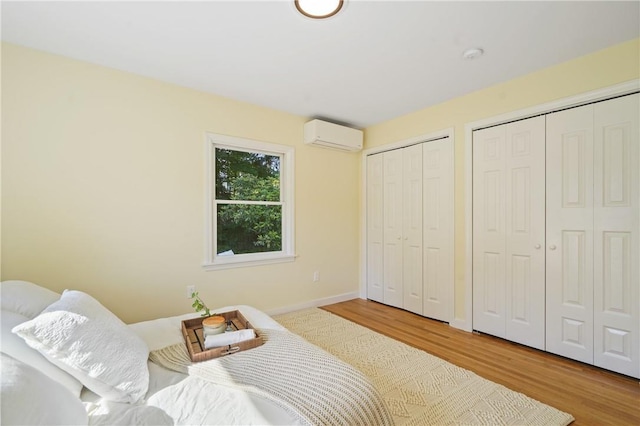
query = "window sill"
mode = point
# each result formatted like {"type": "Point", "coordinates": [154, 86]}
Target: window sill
{"type": "Point", "coordinates": [234, 262]}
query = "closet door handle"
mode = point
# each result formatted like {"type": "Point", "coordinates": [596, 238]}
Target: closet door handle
{"type": "Point", "coordinates": [537, 246]}
{"type": "Point", "coordinates": [552, 247]}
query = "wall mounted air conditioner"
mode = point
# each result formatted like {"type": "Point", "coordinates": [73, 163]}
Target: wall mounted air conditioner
{"type": "Point", "coordinates": [330, 135]}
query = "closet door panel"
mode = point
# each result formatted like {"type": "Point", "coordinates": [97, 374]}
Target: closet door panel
{"type": "Point", "coordinates": [375, 228]}
{"type": "Point", "coordinates": [525, 232]}
{"type": "Point", "coordinates": [569, 239]}
{"type": "Point", "coordinates": [393, 223]}
{"type": "Point", "coordinates": [438, 228]}
{"type": "Point", "coordinates": [489, 231]}
{"type": "Point", "coordinates": [412, 228]}
{"type": "Point", "coordinates": [616, 235]}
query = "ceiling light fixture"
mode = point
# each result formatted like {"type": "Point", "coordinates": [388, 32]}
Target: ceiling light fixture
{"type": "Point", "coordinates": [473, 53]}
{"type": "Point", "coordinates": [319, 9]}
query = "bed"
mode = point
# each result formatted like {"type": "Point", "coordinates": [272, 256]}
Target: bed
{"type": "Point", "coordinates": [67, 360]}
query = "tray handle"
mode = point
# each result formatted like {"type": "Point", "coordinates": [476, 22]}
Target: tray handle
{"type": "Point", "coordinates": [231, 350]}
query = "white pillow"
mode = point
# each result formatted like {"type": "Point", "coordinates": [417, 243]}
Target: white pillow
{"type": "Point", "coordinates": [15, 347]}
{"type": "Point", "coordinates": [86, 340]}
{"type": "Point", "coordinates": [28, 397]}
{"type": "Point", "coordinates": [26, 298]}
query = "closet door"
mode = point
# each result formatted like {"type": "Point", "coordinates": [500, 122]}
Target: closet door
{"type": "Point", "coordinates": [525, 232]}
{"type": "Point", "coordinates": [437, 171]}
{"type": "Point", "coordinates": [489, 231]}
{"type": "Point", "coordinates": [616, 235]}
{"type": "Point", "coordinates": [393, 228]}
{"type": "Point", "coordinates": [509, 231]}
{"type": "Point", "coordinates": [375, 231]}
{"type": "Point", "coordinates": [570, 233]}
{"type": "Point", "coordinates": [412, 228]}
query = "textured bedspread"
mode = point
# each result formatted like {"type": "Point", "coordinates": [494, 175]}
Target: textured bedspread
{"type": "Point", "coordinates": [302, 378]}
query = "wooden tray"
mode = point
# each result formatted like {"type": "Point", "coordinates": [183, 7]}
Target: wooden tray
{"type": "Point", "coordinates": [194, 337]}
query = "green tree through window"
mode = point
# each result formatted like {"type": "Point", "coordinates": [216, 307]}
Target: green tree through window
{"type": "Point", "coordinates": [248, 200]}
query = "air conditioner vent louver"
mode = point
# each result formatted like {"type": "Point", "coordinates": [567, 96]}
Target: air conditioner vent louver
{"type": "Point", "coordinates": [329, 135]}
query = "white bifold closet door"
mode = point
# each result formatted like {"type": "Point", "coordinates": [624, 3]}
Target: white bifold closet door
{"type": "Point", "coordinates": [437, 172]}
{"type": "Point", "coordinates": [570, 233]}
{"type": "Point", "coordinates": [393, 291]}
{"type": "Point", "coordinates": [509, 231]}
{"type": "Point", "coordinates": [412, 228]}
{"type": "Point", "coordinates": [593, 227]}
{"type": "Point", "coordinates": [617, 232]}
{"type": "Point", "coordinates": [375, 228]}
{"type": "Point", "coordinates": [394, 228]}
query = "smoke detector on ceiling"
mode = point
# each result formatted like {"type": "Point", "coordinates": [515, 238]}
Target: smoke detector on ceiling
{"type": "Point", "coordinates": [473, 53]}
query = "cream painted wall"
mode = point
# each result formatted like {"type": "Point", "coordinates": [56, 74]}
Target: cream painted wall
{"type": "Point", "coordinates": [604, 68]}
{"type": "Point", "coordinates": [103, 191]}
{"type": "Point", "coordinates": [103, 181]}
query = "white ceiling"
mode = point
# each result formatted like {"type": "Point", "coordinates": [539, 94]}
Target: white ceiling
{"type": "Point", "coordinates": [374, 61]}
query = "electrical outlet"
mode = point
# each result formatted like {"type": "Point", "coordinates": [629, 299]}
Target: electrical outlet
{"type": "Point", "coordinates": [316, 276]}
{"type": "Point", "coordinates": [190, 290]}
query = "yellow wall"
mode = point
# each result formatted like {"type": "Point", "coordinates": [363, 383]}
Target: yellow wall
{"type": "Point", "coordinates": [604, 68]}
{"type": "Point", "coordinates": [103, 181]}
{"type": "Point", "coordinates": [103, 191]}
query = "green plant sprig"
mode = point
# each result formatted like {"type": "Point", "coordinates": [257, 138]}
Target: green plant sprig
{"type": "Point", "coordinates": [199, 305]}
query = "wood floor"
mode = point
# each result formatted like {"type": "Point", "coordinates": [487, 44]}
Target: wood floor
{"type": "Point", "coordinates": [592, 395]}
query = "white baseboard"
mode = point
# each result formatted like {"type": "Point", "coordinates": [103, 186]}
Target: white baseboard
{"type": "Point", "coordinates": [313, 303]}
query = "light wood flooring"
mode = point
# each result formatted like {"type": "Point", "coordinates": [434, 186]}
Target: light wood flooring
{"type": "Point", "coordinates": [592, 395]}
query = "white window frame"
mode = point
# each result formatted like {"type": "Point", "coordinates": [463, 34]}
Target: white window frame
{"type": "Point", "coordinates": [212, 261]}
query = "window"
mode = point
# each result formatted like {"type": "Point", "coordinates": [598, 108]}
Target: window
{"type": "Point", "coordinates": [250, 202]}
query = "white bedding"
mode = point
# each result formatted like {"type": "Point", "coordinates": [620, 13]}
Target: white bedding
{"type": "Point", "coordinates": [175, 398]}
{"type": "Point", "coordinates": [53, 358]}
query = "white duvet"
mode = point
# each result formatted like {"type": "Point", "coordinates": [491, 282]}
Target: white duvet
{"type": "Point", "coordinates": [174, 398]}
